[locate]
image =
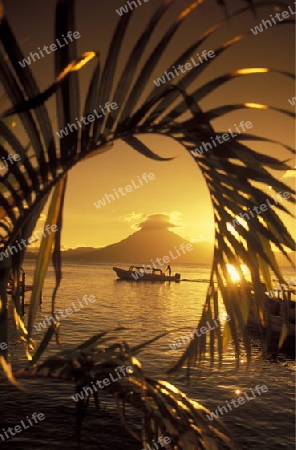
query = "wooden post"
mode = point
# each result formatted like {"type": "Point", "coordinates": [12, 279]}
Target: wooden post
{"type": "Point", "coordinates": [23, 289]}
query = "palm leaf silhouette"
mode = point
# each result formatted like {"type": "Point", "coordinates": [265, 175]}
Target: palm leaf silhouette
{"type": "Point", "coordinates": [165, 410]}
{"type": "Point", "coordinates": [230, 171]}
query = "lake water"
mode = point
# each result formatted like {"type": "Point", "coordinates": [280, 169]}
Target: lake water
{"type": "Point", "coordinates": [146, 309]}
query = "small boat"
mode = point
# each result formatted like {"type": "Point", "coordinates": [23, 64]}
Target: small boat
{"type": "Point", "coordinates": [142, 273]}
{"type": "Point", "coordinates": [273, 310]}
{"type": "Point", "coordinates": [23, 287]}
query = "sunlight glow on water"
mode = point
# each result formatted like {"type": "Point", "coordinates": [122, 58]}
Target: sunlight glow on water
{"type": "Point", "coordinates": [148, 309]}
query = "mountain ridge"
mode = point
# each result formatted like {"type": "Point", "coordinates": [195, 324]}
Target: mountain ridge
{"type": "Point", "coordinates": [143, 246]}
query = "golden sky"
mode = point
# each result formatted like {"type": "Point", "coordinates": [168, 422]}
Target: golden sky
{"type": "Point", "coordinates": [178, 189]}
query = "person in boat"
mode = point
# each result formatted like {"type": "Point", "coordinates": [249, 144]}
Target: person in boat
{"type": "Point", "coordinates": [168, 269]}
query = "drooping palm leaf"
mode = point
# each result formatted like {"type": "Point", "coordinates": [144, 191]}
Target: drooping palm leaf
{"type": "Point", "coordinates": [25, 189]}
{"type": "Point", "coordinates": [165, 410]}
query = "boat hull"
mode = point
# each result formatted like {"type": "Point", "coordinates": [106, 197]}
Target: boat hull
{"type": "Point", "coordinates": [272, 315]}
{"type": "Point", "coordinates": [21, 290]}
{"type": "Point", "coordinates": [276, 323]}
{"type": "Point", "coordinates": [272, 324]}
{"type": "Point", "coordinates": [136, 276]}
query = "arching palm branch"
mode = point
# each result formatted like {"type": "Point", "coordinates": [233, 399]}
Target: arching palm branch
{"type": "Point", "coordinates": [231, 171]}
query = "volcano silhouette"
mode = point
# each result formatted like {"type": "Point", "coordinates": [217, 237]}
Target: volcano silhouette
{"type": "Point", "coordinates": [144, 245]}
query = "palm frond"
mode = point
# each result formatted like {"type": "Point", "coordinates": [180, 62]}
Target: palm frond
{"type": "Point", "coordinates": [165, 410]}
{"type": "Point", "coordinates": [231, 171]}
